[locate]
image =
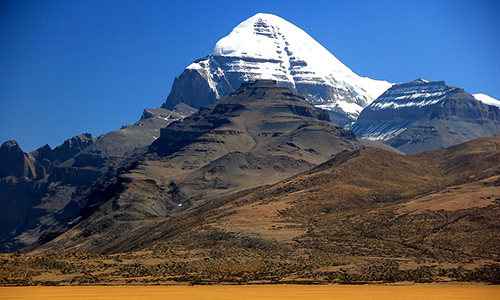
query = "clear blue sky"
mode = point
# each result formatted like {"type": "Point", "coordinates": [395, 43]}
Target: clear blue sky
{"type": "Point", "coordinates": [69, 67]}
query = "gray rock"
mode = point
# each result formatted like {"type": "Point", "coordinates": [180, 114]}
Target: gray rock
{"type": "Point", "coordinates": [420, 116]}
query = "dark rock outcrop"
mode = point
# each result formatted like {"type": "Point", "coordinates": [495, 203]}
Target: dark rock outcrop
{"type": "Point", "coordinates": [73, 146]}
{"type": "Point", "coordinates": [14, 162]}
{"type": "Point", "coordinates": [43, 190]}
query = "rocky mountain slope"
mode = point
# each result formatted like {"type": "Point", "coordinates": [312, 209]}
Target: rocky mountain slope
{"type": "Point", "coordinates": [366, 215]}
{"type": "Point", "coordinates": [267, 47]}
{"type": "Point", "coordinates": [257, 135]}
{"type": "Point", "coordinates": [419, 116]}
{"type": "Point", "coordinates": [46, 188]}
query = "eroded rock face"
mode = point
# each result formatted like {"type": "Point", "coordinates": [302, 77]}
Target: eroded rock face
{"type": "Point", "coordinates": [43, 190]}
{"type": "Point", "coordinates": [14, 162]}
{"type": "Point", "coordinates": [73, 146]}
{"type": "Point", "coordinates": [193, 88]}
{"type": "Point", "coordinates": [34, 194]}
{"type": "Point", "coordinates": [419, 116]}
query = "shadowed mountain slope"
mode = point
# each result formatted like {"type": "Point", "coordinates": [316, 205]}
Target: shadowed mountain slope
{"type": "Point", "coordinates": [366, 215]}
{"type": "Point", "coordinates": [258, 135]}
{"type": "Point", "coordinates": [441, 205]}
{"type": "Point", "coordinates": [45, 189]}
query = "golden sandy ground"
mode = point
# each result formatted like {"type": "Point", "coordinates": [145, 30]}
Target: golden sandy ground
{"type": "Point", "coordinates": [289, 292]}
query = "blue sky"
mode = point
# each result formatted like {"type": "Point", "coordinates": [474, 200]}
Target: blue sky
{"type": "Point", "coordinates": [70, 67]}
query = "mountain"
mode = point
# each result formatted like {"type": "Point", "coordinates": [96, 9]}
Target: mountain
{"type": "Point", "coordinates": [120, 144]}
{"type": "Point", "coordinates": [420, 115]}
{"type": "Point", "coordinates": [438, 204]}
{"type": "Point", "coordinates": [365, 215]}
{"type": "Point", "coordinates": [267, 47]}
{"type": "Point", "coordinates": [257, 135]}
{"type": "Point", "coordinates": [45, 189]}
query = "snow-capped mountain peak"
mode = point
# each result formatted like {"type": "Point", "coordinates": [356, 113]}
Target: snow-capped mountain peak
{"type": "Point", "coordinates": [420, 115]}
{"type": "Point", "coordinates": [270, 37]}
{"type": "Point", "coordinates": [266, 46]}
{"type": "Point", "coordinates": [419, 92]}
{"type": "Point", "coordinates": [420, 81]}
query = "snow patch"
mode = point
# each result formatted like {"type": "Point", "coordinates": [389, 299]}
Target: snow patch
{"type": "Point", "coordinates": [487, 99]}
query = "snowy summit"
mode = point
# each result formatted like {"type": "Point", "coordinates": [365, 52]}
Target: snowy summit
{"type": "Point", "coordinates": [266, 46]}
